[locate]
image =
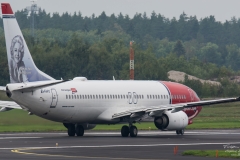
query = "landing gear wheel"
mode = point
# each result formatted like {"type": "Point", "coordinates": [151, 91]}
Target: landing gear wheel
{"type": "Point", "coordinates": [71, 130]}
{"type": "Point", "coordinates": [125, 131]}
{"type": "Point", "coordinates": [79, 130]}
{"type": "Point", "coordinates": [177, 132]}
{"type": "Point", "coordinates": [133, 131]}
{"type": "Point", "coordinates": [180, 132]}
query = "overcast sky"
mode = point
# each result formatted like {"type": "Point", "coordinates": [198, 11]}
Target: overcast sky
{"type": "Point", "coordinates": [222, 9]}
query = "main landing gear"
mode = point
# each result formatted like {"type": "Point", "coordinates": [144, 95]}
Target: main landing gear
{"type": "Point", "coordinates": [132, 130]}
{"type": "Point", "coordinates": [180, 132]}
{"type": "Point", "coordinates": [74, 129]}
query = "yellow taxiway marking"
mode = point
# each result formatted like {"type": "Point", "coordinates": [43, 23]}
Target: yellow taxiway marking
{"type": "Point", "coordinates": [55, 155]}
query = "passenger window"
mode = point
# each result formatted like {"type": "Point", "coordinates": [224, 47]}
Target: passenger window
{"type": "Point", "coordinates": [72, 97]}
{"type": "Point", "coordinates": [123, 96]}
{"type": "Point", "coordinates": [93, 96]}
{"type": "Point", "coordinates": [66, 96]}
{"type": "Point", "coordinates": [158, 97]}
{"type": "Point", "coordinates": [142, 97]}
{"type": "Point", "coordinates": [147, 96]}
{"type": "Point", "coordinates": [167, 96]}
{"type": "Point", "coordinates": [118, 96]}
{"type": "Point", "coordinates": [75, 96]}
{"type": "Point", "coordinates": [150, 97]}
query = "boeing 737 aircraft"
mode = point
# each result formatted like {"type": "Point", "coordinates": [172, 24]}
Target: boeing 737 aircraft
{"type": "Point", "coordinates": [80, 104]}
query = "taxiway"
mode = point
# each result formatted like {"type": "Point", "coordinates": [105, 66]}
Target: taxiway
{"type": "Point", "coordinates": [110, 145]}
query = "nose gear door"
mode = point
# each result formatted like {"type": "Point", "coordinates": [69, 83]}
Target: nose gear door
{"type": "Point", "coordinates": [54, 98]}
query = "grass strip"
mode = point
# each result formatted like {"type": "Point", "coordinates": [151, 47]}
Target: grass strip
{"type": "Point", "coordinates": [212, 153]}
{"type": "Point", "coordinates": [222, 116]}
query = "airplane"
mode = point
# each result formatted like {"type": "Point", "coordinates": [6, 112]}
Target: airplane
{"type": "Point", "coordinates": [80, 104]}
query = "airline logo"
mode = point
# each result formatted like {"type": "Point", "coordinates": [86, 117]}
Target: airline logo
{"type": "Point", "coordinates": [73, 90]}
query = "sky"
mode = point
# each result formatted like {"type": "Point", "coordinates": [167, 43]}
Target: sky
{"type": "Point", "coordinates": [222, 9]}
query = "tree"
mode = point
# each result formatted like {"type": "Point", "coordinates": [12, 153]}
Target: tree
{"type": "Point", "coordinates": [179, 49]}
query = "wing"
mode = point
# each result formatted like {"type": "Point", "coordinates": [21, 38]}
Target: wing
{"type": "Point", "coordinates": [157, 110]}
{"type": "Point", "coordinates": [8, 105]}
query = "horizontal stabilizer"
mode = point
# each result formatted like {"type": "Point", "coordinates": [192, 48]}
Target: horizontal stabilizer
{"type": "Point", "coordinates": [28, 87]}
{"type": "Point", "coordinates": [2, 88]}
{"type": "Point", "coordinates": [8, 105]}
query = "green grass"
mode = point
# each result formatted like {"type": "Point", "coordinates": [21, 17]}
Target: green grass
{"type": "Point", "coordinates": [222, 116]}
{"type": "Point", "coordinates": [212, 153]}
{"type": "Point", "coordinates": [218, 116]}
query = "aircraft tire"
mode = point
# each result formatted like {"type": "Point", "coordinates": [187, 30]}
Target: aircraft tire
{"type": "Point", "coordinates": [71, 130]}
{"type": "Point", "coordinates": [181, 131]}
{"type": "Point", "coordinates": [133, 131]}
{"type": "Point", "coordinates": [125, 131]}
{"type": "Point", "coordinates": [79, 130]}
{"type": "Point", "coordinates": [177, 132]}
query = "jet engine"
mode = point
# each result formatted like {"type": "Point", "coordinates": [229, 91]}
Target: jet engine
{"type": "Point", "coordinates": [171, 121]}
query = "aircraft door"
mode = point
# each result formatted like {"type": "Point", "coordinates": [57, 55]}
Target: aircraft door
{"type": "Point", "coordinates": [54, 98]}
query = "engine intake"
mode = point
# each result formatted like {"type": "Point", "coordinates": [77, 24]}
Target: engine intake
{"type": "Point", "coordinates": [171, 121]}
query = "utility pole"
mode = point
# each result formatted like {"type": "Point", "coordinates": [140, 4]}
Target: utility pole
{"type": "Point", "coordinates": [31, 11]}
{"type": "Point", "coordinates": [131, 61]}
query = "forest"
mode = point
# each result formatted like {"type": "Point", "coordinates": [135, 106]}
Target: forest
{"type": "Point", "coordinates": [97, 47]}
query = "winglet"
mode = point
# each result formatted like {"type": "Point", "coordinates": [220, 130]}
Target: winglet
{"type": "Point", "coordinates": [6, 8]}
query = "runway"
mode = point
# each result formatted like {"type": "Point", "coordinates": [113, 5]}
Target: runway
{"type": "Point", "coordinates": [110, 145]}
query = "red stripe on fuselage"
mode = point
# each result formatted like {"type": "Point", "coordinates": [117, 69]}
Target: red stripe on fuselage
{"type": "Point", "coordinates": [180, 93]}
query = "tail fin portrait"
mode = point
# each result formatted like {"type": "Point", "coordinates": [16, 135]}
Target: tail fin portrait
{"type": "Point", "coordinates": [21, 65]}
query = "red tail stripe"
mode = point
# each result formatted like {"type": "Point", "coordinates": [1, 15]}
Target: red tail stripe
{"type": "Point", "coordinates": [6, 8]}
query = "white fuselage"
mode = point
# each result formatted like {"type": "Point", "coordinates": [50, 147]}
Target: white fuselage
{"type": "Point", "coordinates": [91, 101]}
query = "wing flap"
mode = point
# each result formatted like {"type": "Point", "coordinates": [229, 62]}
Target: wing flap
{"type": "Point", "coordinates": [154, 110]}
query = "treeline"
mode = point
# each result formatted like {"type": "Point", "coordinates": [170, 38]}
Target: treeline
{"type": "Point", "coordinates": [109, 56]}
{"type": "Point", "coordinates": [66, 46]}
{"type": "Point", "coordinates": [206, 39]}
{"type": "Point", "coordinates": [141, 27]}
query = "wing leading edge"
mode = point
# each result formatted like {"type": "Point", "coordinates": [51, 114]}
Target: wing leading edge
{"type": "Point", "coordinates": [157, 110]}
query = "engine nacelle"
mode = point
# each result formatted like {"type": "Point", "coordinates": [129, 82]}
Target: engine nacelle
{"type": "Point", "coordinates": [171, 121]}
